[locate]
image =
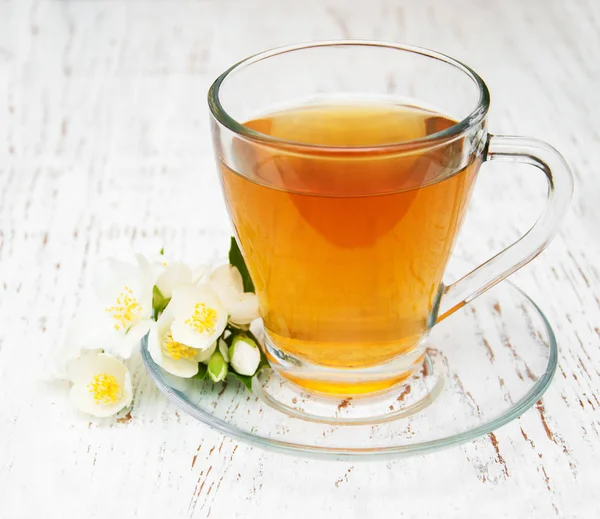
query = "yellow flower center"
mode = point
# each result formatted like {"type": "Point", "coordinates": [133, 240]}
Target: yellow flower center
{"type": "Point", "coordinates": [203, 319]}
{"type": "Point", "coordinates": [176, 350]}
{"type": "Point", "coordinates": [126, 309]}
{"type": "Point", "coordinates": [105, 389]}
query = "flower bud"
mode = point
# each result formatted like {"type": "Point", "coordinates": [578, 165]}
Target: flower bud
{"type": "Point", "coordinates": [217, 367]}
{"type": "Point", "coordinates": [244, 356]}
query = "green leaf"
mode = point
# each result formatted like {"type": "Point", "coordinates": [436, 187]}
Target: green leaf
{"type": "Point", "coordinates": [159, 302]}
{"type": "Point", "coordinates": [247, 381]}
{"type": "Point", "coordinates": [237, 260]}
{"type": "Point", "coordinates": [202, 372]}
{"type": "Point", "coordinates": [162, 251]}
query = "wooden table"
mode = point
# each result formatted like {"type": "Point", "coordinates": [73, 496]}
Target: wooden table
{"type": "Point", "coordinates": [104, 146]}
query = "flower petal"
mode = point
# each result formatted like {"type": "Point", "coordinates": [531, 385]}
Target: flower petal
{"type": "Point", "coordinates": [124, 345]}
{"type": "Point", "coordinates": [97, 334]}
{"type": "Point", "coordinates": [198, 272]}
{"type": "Point", "coordinates": [184, 368]}
{"type": "Point", "coordinates": [184, 334]}
{"type": "Point", "coordinates": [83, 369]}
{"type": "Point", "coordinates": [154, 344]}
{"type": "Point", "coordinates": [111, 275]}
{"type": "Point", "coordinates": [227, 276]}
{"type": "Point", "coordinates": [185, 298]}
{"type": "Point", "coordinates": [164, 321]}
{"type": "Point", "coordinates": [176, 275]}
{"type": "Point", "coordinates": [224, 349]}
{"type": "Point", "coordinates": [139, 330]}
{"type": "Point", "coordinates": [69, 348]}
{"type": "Point", "coordinates": [245, 310]}
{"type": "Point", "coordinates": [148, 279]}
{"type": "Point", "coordinates": [226, 281]}
{"type": "Point", "coordinates": [158, 263]}
{"type": "Point", "coordinates": [204, 355]}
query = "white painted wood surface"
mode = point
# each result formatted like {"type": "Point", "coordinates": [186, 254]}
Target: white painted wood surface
{"type": "Point", "coordinates": [104, 145]}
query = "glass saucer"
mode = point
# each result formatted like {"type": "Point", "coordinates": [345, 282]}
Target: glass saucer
{"type": "Point", "coordinates": [485, 366]}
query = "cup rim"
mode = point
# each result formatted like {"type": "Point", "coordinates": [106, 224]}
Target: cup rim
{"type": "Point", "coordinates": [472, 119]}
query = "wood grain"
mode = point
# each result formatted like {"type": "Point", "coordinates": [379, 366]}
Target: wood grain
{"type": "Point", "coordinates": [103, 139]}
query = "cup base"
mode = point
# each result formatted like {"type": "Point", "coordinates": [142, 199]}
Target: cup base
{"type": "Point", "coordinates": [412, 393]}
{"type": "Point", "coordinates": [337, 382]}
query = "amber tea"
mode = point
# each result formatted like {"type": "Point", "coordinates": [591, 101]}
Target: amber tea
{"type": "Point", "coordinates": [347, 240]}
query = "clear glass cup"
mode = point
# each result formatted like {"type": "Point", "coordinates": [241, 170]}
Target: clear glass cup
{"type": "Point", "coordinates": [347, 240]}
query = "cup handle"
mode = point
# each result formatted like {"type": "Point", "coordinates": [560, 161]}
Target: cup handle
{"type": "Point", "coordinates": [560, 188]}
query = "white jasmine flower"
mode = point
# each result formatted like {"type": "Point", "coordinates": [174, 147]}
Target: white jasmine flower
{"type": "Point", "coordinates": [241, 306]}
{"type": "Point", "coordinates": [117, 314]}
{"type": "Point", "coordinates": [199, 316]}
{"type": "Point", "coordinates": [174, 357]}
{"type": "Point", "coordinates": [101, 384]}
{"type": "Point", "coordinates": [244, 356]}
